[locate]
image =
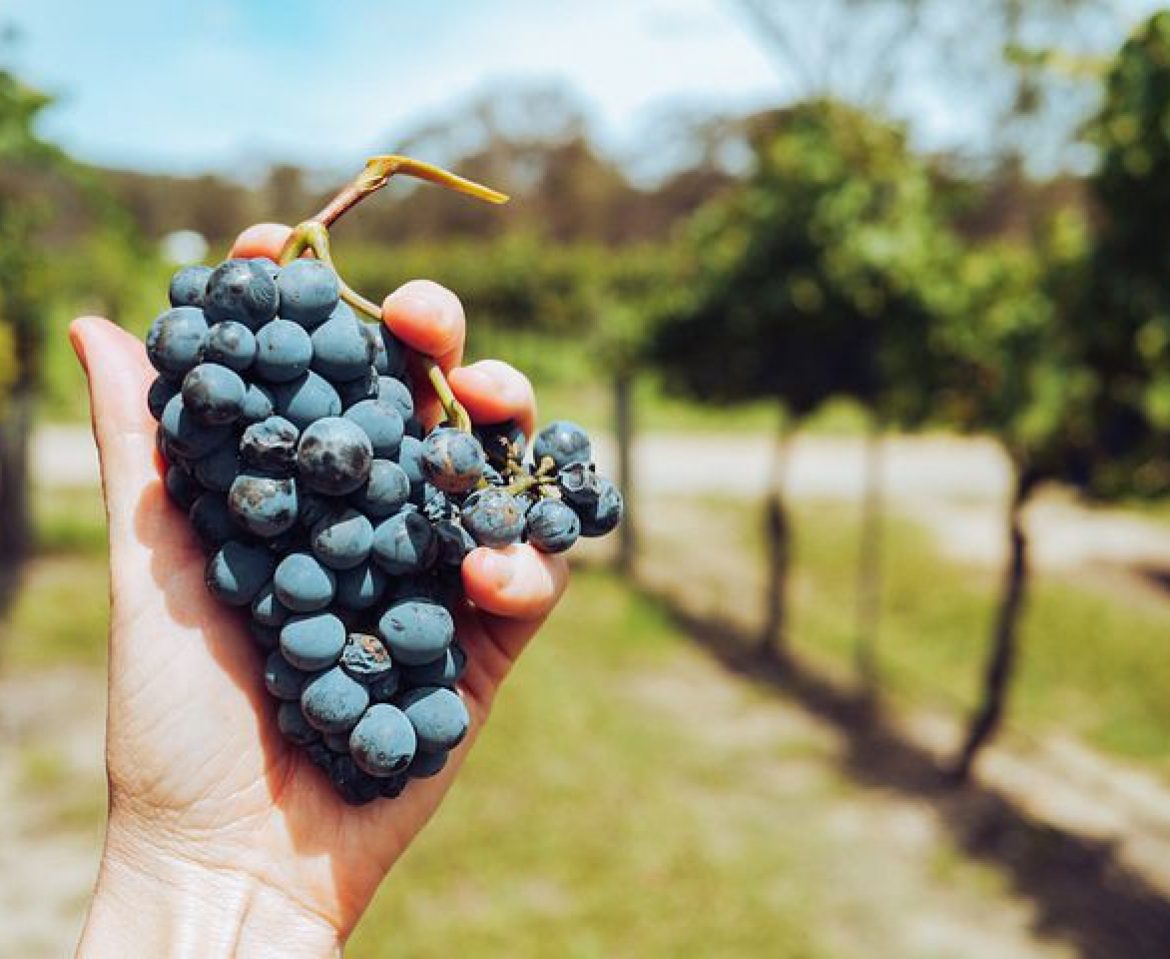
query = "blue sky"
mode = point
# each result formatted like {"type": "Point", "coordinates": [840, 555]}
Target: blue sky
{"type": "Point", "coordinates": [233, 85]}
{"type": "Point", "coordinates": [188, 86]}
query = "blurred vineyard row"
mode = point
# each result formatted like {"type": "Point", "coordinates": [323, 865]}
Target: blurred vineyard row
{"type": "Point", "coordinates": [805, 255]}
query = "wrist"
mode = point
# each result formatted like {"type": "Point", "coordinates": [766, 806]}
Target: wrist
{"type": "Point", "coordinates": [151, 903]}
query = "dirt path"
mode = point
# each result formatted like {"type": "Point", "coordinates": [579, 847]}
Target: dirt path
{"type": "Point", "coordinates": [52, 789]}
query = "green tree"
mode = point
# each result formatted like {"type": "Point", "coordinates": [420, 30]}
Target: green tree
{"type": "Point", "coordinates": [23, 290]}
{"type": "Point", "coordinates": [1072, 339]}
{"type": "Point", "coordinates": [812, 281]}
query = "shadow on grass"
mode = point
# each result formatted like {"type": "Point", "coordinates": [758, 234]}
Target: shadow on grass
{"type": "Point", "coordinates": [1084, 895]}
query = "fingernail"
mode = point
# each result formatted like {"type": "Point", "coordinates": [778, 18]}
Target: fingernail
{"type": "Point", "coordinates": [497, 569]}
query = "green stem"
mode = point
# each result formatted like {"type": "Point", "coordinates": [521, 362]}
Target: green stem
{"type": "Point", "coordinates": [314, 235]}
{"type": "Point", "coordinates": [377, 174]}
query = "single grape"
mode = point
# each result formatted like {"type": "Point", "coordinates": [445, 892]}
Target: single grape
{"type": "Point", "coordinates": [405, 543]}
{"type": "Point", "coordinates": [213, 394]}
{"type": "Point", "coordinates": [305, 400]}
{"type": "Point", "coordinates": [334, 456]}
{"type": "Point", "coordinates": [270, 445]}
{"type": "Point", "coordinates": [383, 742]}
{"type": "Point", "coordinates": [394, 392]}
{"type": "Point", "coordinates": [230, 344]}
{"type": "Point", "coordinates": [438, 715]}
{"type": "Point", "coordinates": [264, 505]}
{"type": "Point", "coordinates": [365, 658]}
{"type": "Point", "coordinates": [454, 543]}
{"type": "Point", "coordinates": [565, 442]}
{"type": "Point", "coordinates": [552, 526]}
{"type": "Point", "coordinates": [444, 671]}
{"type": "Point", "coordinates": [238, 571]}
{"type": "Point", "coordinates": [381, 422]}
{"type": "Point", "coordinates": [427, 764]}
{"type": "Point", "coordinates": [283, 351]}
{"type": "Point", "coordinates": [188, 286]}
{"type": "Point", "coordinates": [303, 584]}
{"type": "Point", "coordinates": [212, 520]}
{"type": "Point", "coordinates": [240, 290]}
{"type": "Point", "coordinates": [385, 492]}
{"type": "Point", "coordinates": [579, 485]}
{"type": "Point", "coordinates": [333, 702]}
{"type": "Point", "coordinates": [309, 292]}
{"type": "Point", "coordinates": [267, 610]}
{"type": "Point", "coordinates": [341, 349]}
{"type": "Point", "coordinates": [312, 642]}
{"type": "Point", "coordinates": [259, 404]}
{"type": "Point", "coordinates": [342, 540]}
{"type": "Point", "coordinates": [219, 468]}
{"type": "Point", "coordinates": [502, 443]}
{"type": "Point", "coordinates": [282, 679]}
{"type": "Point", "coordinates": [605, 514]}
{"type": "Point", "coordinates": [361, 587]}
{"type": "Point", "coordinates": [161, 392]}
{"type": "Point", "coordinates": [293, 726]}
{"type": "Point", "coordinates": [181, 487]}
{"type": "Point", "coordinates": [416, 631]}
{"type": "Point", "coordinates": [452, 460]}
{"type": "Point", "coordinates": [175, 341]}
{"type": "Point", "coordinates": [493, 517]}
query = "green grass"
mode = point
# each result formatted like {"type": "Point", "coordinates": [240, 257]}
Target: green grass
{"type": "Point", "coordinates": [615, 807]}
{"type": "Point", "coordinates": [1093, 663]}
{"type": "Point", "coordinates": [69, 520]}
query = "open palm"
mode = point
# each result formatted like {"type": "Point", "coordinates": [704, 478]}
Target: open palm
{"type": "Point", "coordinates": [198, 770]}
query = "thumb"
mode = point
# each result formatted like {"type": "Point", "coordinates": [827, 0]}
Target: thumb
{"type": "Point", "coordinates": [119, 376]}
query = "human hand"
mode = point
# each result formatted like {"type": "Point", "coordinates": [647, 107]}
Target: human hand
{"type": "Point", "coordinates": [223, 839]}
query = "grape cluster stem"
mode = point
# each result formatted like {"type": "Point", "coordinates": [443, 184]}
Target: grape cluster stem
{"type": "Point", "coordinates": [312, 235]}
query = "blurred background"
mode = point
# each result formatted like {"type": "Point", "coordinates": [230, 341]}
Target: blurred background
{"type": "Point", "coordinates": [869, 304]}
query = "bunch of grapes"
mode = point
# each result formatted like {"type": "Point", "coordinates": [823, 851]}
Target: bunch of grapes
{"type": "Point", "coordinates": [290, 438]}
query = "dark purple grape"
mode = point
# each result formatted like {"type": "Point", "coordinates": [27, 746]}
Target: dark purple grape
{"type": "Point", "coordinates": [309, 292]}
{"type": "Point", "coordinates": [188, 286]}
{"type": "Point", "coordinates": [334, 456]}
{"type": "Point", "coordinates": [383, 742]}
{"type": "Point", "coordinates": [230, 344]}
{"type": "Point", "coordinates": [264, 505]}
{"type": "Point", "coordinates": [416, 631]}
{"type": "Point", "coordinates": [604, 516]}
{"type": "Point", "coordinates": [405, 543]}
{"type": "Point", "coordinates": [213, 394]}
{"type": "Point", "coordinates": [564, 442]}
{"type": "Point", "coordinates": [271, 445]}
{"type": "Point", "coordinates": [493, 517]}
{"type": "Point", "coordinates": [175, 341]}
{"type": "Point", "coordinates": [452, 460]}
{"type": "Point", "coordinates": [552, 526]}
{"type": "Point", "coordinates": [240, 290]}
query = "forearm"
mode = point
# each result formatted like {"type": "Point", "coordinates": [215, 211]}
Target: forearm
{"type": "Point", "coordinates": [147, 904]}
